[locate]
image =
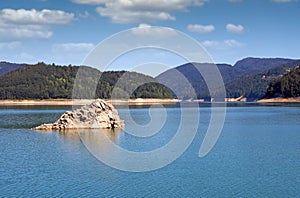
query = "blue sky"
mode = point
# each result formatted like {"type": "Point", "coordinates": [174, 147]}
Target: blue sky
{"type": "Point", "coordinates": [64, 31]}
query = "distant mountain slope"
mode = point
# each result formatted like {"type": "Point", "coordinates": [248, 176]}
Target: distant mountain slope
{"type": "Point", "coordinates": [254, 86]}
{"type": "Point", "coordinates": [6, 67]}
{"type": "Point", "coordinates": [286, 86]}
{"type": "Point", "coordinates": [43, 81]}
{"type": "Point", "coordinates": [185, 80]}
{"type": "Point", "coordinates": [255, 65]}
{"type": "Point", "coordinates": [243, 71]}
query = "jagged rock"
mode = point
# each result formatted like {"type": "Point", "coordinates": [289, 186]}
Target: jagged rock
{"type": "Point", "coordinates": [96, 115]}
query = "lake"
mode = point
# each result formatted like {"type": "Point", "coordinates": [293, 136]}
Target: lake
{"type": "Point", "coordinates": [256, 155]}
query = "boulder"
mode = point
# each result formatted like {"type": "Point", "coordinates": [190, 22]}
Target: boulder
{"type": "Point", "coordinates": [97, 115]}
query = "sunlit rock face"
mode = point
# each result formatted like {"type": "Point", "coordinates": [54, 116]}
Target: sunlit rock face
{"type": "Point", "coordinates": [97, 115]}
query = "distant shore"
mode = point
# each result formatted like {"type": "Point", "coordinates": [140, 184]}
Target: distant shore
{"type": "Point", "coordinates": [138, 101]}
{"type": "Point", "coordinates": [70, 102]}
{"type": "Point", "coordinates": [279, 100]}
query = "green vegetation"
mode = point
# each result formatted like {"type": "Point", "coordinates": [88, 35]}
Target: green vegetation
{"type": "Point", "coordinates": [43, 81]}
{"type": "Point", "coordinates": [286, 86]}
{"type": "Point", "coordinates": [254, 86]}
{"type": "Point", "coordinates": [249, 77]}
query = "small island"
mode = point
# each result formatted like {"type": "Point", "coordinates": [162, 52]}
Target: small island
{"type": "Point", "coordinates": [96, 115]}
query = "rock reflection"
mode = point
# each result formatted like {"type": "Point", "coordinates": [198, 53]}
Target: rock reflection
{"type": "Point", "coordinates": [99, 141]}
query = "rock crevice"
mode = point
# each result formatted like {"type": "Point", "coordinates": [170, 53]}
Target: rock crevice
{"type": "Point", "coordinates": [97, 115]}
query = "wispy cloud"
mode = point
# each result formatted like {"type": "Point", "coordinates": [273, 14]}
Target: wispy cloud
{"type": "Point", "coordinates": [146, 30]}
{"type": "Point", "coordinates": [222, 45]}
{"type": "Point", "coordinates": [10, 45]}
{"type": "Point", "coordinates": [237, 29]}
{"type": "Point", "coordinates": [133, 11]}
{"type": "Point", "coordinates": [73, 47]}
{"type": "Point", "coordinates": [200, 28]}
{"type": "Point", "coordinates": [283, 1]}
{"type": "Point", "coordinates": [22, 24]}
{"type": "Point", "coordinates": [235, 1]}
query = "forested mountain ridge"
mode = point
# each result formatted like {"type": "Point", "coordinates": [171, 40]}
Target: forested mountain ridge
{"type": "Point", "coordinates": [6, 67]}
{"type": "Point", "coordinates": [244, 78]}
{"type": "Point", "coordinates": [41, 81]}
{"type": "Point", "coordinates": [287, 86]}
{"type": "Point", "coordinates": [254, 65]}
{"type": "Point", "coordinates": [254, 86]}
{"type": "Point", "coordinates": [249, 77]}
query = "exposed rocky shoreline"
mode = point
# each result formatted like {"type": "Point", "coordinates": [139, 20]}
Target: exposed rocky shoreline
{"type": "Point", "coordinates": [280, 100]}
{"type": "Point", "coordinates": [70, 102]}
{"type": "Point", "coordinates": [96, 115]}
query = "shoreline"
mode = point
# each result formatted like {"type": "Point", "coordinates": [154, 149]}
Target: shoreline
{"type": "Point", "coordinates": [70, 102]}
{"type": "Point", "coordinates": [137, 101]}
{"type": "Point", "coordinates": [280, 100]}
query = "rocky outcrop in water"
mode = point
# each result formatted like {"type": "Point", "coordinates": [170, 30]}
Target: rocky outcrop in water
{"type": "Point", "coordinates": [97, 115]}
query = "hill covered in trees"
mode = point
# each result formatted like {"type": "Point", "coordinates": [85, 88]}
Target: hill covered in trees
{"type": "Point", "coordinates": [249, 77]}
{"type": "Point", "coordinates": [43, 81]}
{"type": "Point", "coordinates": [286, 86]}
{"type": "Point", "coordinates": [254, 86]}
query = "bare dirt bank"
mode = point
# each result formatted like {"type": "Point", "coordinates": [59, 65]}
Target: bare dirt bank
{"type": "Point", "coordinates": [280, 100]}
{"type": "Point", "coordinates": [70, 102]}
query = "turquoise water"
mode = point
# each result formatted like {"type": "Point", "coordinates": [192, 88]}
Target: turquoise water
{"type": "Point", "coordinates": [257, 155]}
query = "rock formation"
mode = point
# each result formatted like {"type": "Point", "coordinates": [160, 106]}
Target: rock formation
{"type": "Point", "coordinates": [97, 115]}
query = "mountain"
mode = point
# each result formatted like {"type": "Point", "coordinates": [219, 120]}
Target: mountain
{"type": "Point", "coordinates": [255, 65]}
{"type": "Point", "coordinates": [185, 80]}
{"type": "Point", "coordinates": [43, 81]}
{"type": "Point", "coordinates": [254, 86]}
{"type": "Point", "coordinates": [286, 86]}
{"type": "Point", "coordinates": [6, 67]}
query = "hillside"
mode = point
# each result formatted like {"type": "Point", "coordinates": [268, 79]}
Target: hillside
{"type": "Point", "coordinates": [186, 80]}
{"type": "Point", "coordinates": [43, 81]}
{"type": "Point", "coordinates": [255, 65]}
{"type": "Point", "coordinates": [254, 86]}
{"type": "Point", "coordinates": [287, 86]}
{"type": "Point", "coordinates": [6, 67]}
{"type": "Point", "coordinates": [244, 78]}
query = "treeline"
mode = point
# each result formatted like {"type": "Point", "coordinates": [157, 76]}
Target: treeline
{"type": "Point", "coordinates": [249, 77]}
{"type": "Point", "coordinates": [41, 81]}
{"type": "Point", "coordinates": [287, 86]}
{"type": "Point", "coordinates": [254, 86]}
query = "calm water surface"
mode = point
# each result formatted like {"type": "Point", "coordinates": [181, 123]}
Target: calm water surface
{"type": "Point", "coordinates": [257, 155]}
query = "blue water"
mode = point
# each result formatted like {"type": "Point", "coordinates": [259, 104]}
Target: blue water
{"type": "Point", "coordinates": [257, 155]}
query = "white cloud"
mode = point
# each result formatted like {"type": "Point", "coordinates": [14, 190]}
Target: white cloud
{"type": "Point", "coordinates": [235, 1]}
{"type": "Point", "coordinates": [10, 45]}
{"type": "Point", "coordinates": [146, 30]}
{"type": "Point", "coordinates": [86, 14]}
{"type": "Point", "coordinates": [24, 57]}
{"type": "Point", "coordinates": [73, 47]}
{"type": "Point", "coordinates": [222, 45]}
{"type": "Point", "coordinates": [211, 44]}
{"type": "Point", "coordinates": [23, 24]}
{"type": "Point", "coordinates": [90, 2]}
{"type": "Point", "coordinates": [24, 31]}
{"type": "Point", "coordinates": [201, 28]}
{"type": "Point", "coordinates": [283, 1]}
{"type": "Point", "coordinates": [135, 11]}
{"type": "Point", "coordinates": [233, 43]}
{"type": "Point", "coordinates": [34, 17]}
{"type": "Point", "coordinates": [238, 29]}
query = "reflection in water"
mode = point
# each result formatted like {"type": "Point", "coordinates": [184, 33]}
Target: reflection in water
{"type": "Point", "coordinates": [99, 141]}
{"type": "Point", "coordinates": [102, 142]}
{"type": "Point", "coordinates": [98, 134]}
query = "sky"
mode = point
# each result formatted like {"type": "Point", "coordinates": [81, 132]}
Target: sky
{"type": "Point", "coordinates": [65, 31]}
